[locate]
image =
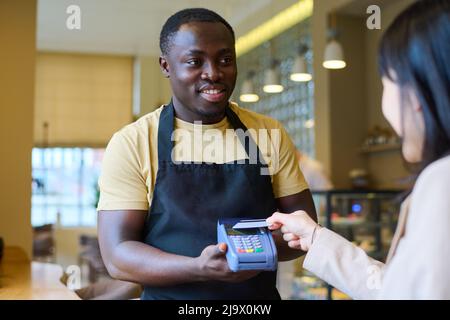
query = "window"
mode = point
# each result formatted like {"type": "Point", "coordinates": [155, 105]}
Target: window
{"type": "Point", "coordinates": [64, 186]}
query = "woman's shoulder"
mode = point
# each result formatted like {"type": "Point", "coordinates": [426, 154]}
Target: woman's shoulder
{"type": "Point", "coordinates": [430, 200]}
{"type": "Point", "coordinates": [436, 174]}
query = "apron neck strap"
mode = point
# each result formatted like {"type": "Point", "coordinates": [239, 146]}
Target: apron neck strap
{"type": "Point", "coordinates": [165, 129]}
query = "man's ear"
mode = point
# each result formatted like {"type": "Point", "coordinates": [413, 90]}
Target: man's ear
{"type": "Point", "coordinates": [164, 65]}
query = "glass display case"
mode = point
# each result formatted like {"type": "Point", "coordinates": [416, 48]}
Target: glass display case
{"type": "Point", "coordinates": [367, 218]}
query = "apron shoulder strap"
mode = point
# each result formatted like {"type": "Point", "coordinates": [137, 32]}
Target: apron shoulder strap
{"type": "Point", "coordinates": [166, 127]}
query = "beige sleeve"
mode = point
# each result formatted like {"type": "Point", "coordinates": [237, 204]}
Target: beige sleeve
{"type": "Point", "coordinates": [288, 178]}
{"type": "Point", "coordinates": [420, 267]}
{"type": "Point", "coordinates": [345, 266]}
{"type": "Point", "coordinates": [122, 184]}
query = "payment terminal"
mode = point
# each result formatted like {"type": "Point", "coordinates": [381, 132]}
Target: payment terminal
{"type": "Point", "coordinates": [250, 244]}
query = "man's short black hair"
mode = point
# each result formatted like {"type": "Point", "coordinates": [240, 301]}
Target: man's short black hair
{"type": "Point", "coordinates": [174, 23]}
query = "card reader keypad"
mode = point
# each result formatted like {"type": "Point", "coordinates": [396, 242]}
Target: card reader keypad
{"type": "Point", "coordinates": [248, 244]}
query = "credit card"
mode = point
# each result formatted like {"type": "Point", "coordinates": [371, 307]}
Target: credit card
{"type": "Point", "coordinates": [251, 223]}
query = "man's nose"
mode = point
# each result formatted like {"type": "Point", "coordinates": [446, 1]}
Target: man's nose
{"type": "Point", "coordinates": [212, 72]}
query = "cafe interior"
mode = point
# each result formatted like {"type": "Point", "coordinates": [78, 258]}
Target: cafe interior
{"type": "Point", "coordinates": [74, 72]}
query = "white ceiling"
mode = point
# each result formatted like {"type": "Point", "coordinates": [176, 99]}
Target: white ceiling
{"type": "Point", "coordinates": [359, 8]}
{"type": "Point", "coordinates": [124, 26]}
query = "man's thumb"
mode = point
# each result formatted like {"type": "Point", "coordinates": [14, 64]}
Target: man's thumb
{"type": "Point", "coordinates": [220, 249]}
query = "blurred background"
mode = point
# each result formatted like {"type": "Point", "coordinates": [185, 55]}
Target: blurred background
{"type": "Point", "coordinates": [65, 90]}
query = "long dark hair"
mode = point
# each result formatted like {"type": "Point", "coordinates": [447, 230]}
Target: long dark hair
{"type": "Point", "coordinates": [415, 54]}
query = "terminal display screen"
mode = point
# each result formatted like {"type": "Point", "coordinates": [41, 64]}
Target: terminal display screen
{"type": "Point", "coordinates": [242, 232]}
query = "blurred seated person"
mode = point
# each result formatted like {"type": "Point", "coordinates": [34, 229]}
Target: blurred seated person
{"type": "Point", "coordinates": [110, 289]}
{"type": "Point", "coordinates": [43, 243]}
{"type": "Point", "coordinates": [314, 173]}
{"type": "Point", "coordinates": [101, 285]}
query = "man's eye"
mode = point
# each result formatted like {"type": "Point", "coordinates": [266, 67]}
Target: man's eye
{"type": "Point", "coordinates": [193, 62]}
{"type": "Point", "coordinates": [227, 60]}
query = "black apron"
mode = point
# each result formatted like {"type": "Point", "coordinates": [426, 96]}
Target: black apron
{"type": "Point", "coordinates": [189, 198]}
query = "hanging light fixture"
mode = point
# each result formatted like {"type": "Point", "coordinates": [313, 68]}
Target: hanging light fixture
{"type": "Point", "coordinates": [299, 71]}
{"type": "Point", "coordinates": [334, 54]}
{"type": "Point", "coordinates": [272, 82]}
{"type": "Point", "coordinates": [309, 124]}
{"type": "Point", "coordinates": [247, 90]}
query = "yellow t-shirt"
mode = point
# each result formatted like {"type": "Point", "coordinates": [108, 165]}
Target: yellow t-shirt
{"type": "Point", "coordinates": [130, 161]}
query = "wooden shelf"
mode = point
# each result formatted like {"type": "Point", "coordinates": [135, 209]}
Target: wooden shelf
{"type": "Point", "coordinates": [381, 148]}
{"type": "Point", "coordinates": [338, 222]}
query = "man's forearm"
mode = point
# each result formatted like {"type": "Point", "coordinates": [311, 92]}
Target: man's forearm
{"type": "Point", "coordinates": [137, 262]}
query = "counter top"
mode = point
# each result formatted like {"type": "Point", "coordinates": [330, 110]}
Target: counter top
{"type": "Point", "coordinates": [22, 279]}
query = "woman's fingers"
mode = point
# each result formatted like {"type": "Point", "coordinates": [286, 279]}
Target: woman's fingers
{"type": "Point", "coordinates": [274, 225]}
{"type": "Point", "coordinates": [284, 229]}
{"type": "Point", "coordinates": [288, 223]}
{"type": "Point", "coordinates": [290, 237]}
{"type": "Point", "coordinates": [276, 221]}
{"type": "Point", "coordinates": [296, 227]}
{"type": "Point", "coordinates": [294, 244]}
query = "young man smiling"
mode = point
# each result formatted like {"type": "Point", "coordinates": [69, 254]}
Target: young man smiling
{"type": "Point", "coordinates": [158, 210]}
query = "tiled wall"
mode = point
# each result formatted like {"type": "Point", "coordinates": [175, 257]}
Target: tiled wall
{"type": "Point", "coordinates": [294, 107]}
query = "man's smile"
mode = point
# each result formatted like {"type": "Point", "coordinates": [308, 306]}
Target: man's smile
{"type": "Point", "coordinates": [213, 93]}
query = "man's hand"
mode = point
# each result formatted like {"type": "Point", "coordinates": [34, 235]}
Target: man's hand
{"type": "Point", "coordinates": [213, 266]}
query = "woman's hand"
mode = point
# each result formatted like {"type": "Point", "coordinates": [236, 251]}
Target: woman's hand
{"type": "Point", "coordinates": [297, 228]}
